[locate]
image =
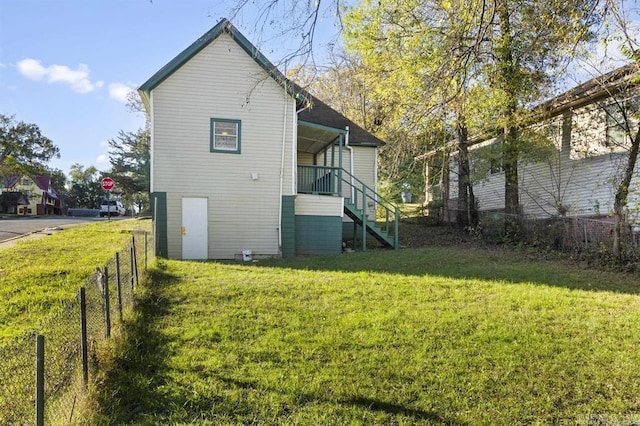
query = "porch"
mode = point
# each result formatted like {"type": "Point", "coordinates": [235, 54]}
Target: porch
{"type": "Point", "coordinates": [326, 142]}
{"type": "Point", "coordinates": [370, 212]}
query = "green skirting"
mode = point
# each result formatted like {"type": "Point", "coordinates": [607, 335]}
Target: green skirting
{"type": "Point", "coordinates": [318, 235]}
{"type": "Point", "coordinates": [159, 214]}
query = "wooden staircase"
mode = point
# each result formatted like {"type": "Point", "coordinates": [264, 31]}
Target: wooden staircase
{"type": "Point", "coordinates": [383, 229]}
{"type": "Point", "coordinates": [385, 236]}
{"type": "Point", "coordinates": [335, 181]}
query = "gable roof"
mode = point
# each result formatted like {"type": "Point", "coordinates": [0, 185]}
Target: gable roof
{"type": "Point", "coordinates": [10, 181]}
{"type": "Point", "coordinates": [314, 110]}
{"type": "Point", "coordinates": [222, 27]}
{"type": "Point", "coordinates": [43, 182]}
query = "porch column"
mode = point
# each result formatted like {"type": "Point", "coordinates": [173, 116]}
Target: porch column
{"type": "Point", "coordinates": [340, 142]}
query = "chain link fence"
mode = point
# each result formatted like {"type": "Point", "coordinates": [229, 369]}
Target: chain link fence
{"type": "Point", "coordinates": [44, 376]}
{"type": "Point", "coordinates": [576, 234]}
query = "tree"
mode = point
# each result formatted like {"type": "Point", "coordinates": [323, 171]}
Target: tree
{"type": "Point", "coordinates": [344, 86]}
{"type": "Point", "coordinates": [440, 57]}
{"type": "Point", "coordinates": [129, 157]}
{"type": "Point", "coordinates": [84, 187]}
{"type": "Point", "coordinates": [629, 46]}
{"type": "Point", "coordinates": [23, 148]}
{"type": "Point", "coordinates": [292, 20]}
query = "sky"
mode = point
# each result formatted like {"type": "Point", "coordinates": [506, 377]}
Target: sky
{"type": "Point", "coordinates": [67, 65]}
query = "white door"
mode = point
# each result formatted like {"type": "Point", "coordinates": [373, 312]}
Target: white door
{"type": "Point", "coordinates": [195, 234]}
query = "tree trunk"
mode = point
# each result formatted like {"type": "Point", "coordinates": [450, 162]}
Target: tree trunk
{"type": "Point", "coordinates": [622, 192]}
{"type": "Point", "coordinates": [507, 70]}
{"type": "Point", "coordinates": [467, 214]}
{"type": "Point", "coordinates": [463, 175]}
{"type": "Point", "coordinates": [510, 164]}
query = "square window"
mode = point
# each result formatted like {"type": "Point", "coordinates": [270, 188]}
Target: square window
{"type": "Point", "coordinates": [618, 120]}
{"type": "Point", "coordinates": [225, 135]}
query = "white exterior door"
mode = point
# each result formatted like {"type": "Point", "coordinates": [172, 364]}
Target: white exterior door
{"type": "Point", "coordinates": [195, 235]}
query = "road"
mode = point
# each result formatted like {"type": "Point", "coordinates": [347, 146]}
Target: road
{"type": "Point", "coordinates": [13, 228]}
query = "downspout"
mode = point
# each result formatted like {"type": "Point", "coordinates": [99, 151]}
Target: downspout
{"type": "Point", "coordinates": [350, 148]}
{"type": "Point", "coordinates": [151, 143]}
{"type": "Point", "coordinates": [284, 142]}
{"type": "Point", "coordinates": [294, 152]}
{"type": "Point", "coordinates": [375, 172]}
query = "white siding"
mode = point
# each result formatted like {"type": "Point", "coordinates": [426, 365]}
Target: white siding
{"type": "Point", "coordinates": [318, 205]}
{"type": "Point", "coordinates": [364, 165]}
{"type": "Point", "coordinates": [579, 175]}
{"type": "Point", "coordinates": [222, 81]}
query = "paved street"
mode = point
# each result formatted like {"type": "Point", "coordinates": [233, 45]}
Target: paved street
{"type": "Point", "coordinates": [12, 228]}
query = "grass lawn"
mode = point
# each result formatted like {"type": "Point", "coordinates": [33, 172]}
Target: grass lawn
{"type": "Point", "coordinates": [36, 276]}
{"type": "Point", "coordinates": [421, 336]}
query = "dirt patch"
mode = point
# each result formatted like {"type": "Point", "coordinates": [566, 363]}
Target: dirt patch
{"type": "Point", "coordinates": [415, 233]}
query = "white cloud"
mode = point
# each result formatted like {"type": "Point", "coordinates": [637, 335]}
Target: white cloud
{"type": "Point", "coordinates": [77, 79]}
{"type": "Point", "coordinates": [120, 91]}
{"type": "Point", "coordinates": [2, 65]}
{"type": "Point", "coordinates": [102, 159]}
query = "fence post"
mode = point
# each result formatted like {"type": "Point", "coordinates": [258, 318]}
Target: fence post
{"type": "Point", "coordinates": [39, 380]}
{"type": "Point", "coordinates": [106, 305]}
{"type": "Point", "coordinates": [83, 336]}
{"type": "Point", "coordinates": [135, 259]}
{"type": "Point", "coordinates": [119, 286]}
{"type": "Point", "coordinates": [132, 254]}
{"type": "Point", "coordinates": [146, 250]}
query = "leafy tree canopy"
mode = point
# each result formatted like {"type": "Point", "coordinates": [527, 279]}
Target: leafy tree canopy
{"type": "Point", "coordinates": [130, 168]}
{"type": "Point", "coordinates": [84, 187]}
{"type": "Point", "coordinates": [23, 148]}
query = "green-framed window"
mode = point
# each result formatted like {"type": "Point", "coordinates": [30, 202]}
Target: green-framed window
{"type": "Point", "coordinates": [225, 135]}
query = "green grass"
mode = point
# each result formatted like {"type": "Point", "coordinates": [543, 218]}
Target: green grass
{"type": "Point", "coordinates": [433, 336]}
{"type": "Point", "coordinates": [36, 276]}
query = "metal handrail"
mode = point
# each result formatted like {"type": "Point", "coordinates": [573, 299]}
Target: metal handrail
{"type": "Point", "coordinates": [326, 180]}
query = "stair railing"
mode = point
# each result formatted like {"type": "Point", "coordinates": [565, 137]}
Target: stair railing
{"type": "Point", "coordinates": [325, 180]}
{"type": "Point", "coordinates": [364, 194]}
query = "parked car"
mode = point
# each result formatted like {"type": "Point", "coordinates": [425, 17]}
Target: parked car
{"type": "Point", "coordinates": [112, 208]}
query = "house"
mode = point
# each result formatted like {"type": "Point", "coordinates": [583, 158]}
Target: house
{"type": "Point", "coordinates": [246, 164]}
{"type": "Point", "coordinates": [28, 196]}
{"type": "Point", "coordinates": [577, 145]}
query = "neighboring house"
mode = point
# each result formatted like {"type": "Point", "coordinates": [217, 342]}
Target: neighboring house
{"type": "Point", "coordinates": [576, 149]}
{"type": "Point", "coordinates": [28, 196]}
{"type": "Point", "coordinates": [243, 161]}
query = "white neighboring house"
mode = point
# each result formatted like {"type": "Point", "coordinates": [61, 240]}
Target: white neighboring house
{"type": "Point", "coordinates": [589, 146]}
{"type": "Point", "coordinates": [246, 164]}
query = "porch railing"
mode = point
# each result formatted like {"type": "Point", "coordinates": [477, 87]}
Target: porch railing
{"type": "Point", "coordinates": [321, 180]}
{"type": "Point", "coordinates": [326, 180]}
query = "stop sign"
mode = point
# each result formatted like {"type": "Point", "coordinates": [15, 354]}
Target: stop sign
{"type": "Point", "coordinates": [108, 184]}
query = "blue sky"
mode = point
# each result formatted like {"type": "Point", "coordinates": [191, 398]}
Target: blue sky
{"type": "Point", "coordinates": [67, 65]}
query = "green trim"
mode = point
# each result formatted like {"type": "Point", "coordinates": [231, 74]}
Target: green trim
{"type": "Point", "coordinates": [288, 224]}
{"type": "Point", "coordinates": [212, 135]}
{"type": "Point", "coordinates": [366, 144]}
{"type": "Point", "coordinates": [159, 200]}
{"type": "Point", "coordinates": [322, 127]}
{"type": "Point", "coordinates": [224, 26]}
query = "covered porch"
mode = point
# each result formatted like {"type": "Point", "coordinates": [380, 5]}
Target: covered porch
{"type": "Point", "coordinates": [321, 172]}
